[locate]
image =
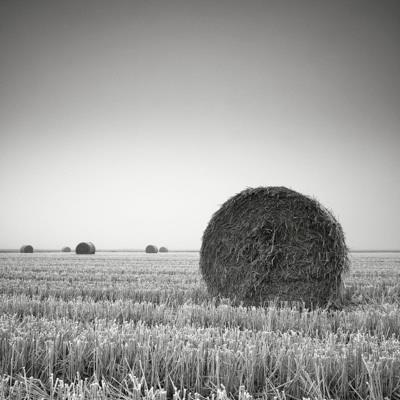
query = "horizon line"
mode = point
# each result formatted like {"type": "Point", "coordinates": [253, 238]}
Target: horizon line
{"type": "Point", "coordinates": [16, 250]}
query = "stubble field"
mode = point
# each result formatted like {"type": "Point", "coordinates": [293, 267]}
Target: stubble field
{"type": "Point", "coordinates": [133, 325]}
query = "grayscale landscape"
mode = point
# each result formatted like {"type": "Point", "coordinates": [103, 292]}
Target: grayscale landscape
{"type": "Point", "coordinates": [199, 200]}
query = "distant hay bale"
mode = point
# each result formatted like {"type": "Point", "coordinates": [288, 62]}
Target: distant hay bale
{"type": "Point", "coordinates": [273, 243]}
{"type": "Point", "coordinates": [85, 248]}
{"type": "Point", "coordinates": [66, 249]}
{"type": "Point", "coordinates": [26, 248]}
{"type": "Point", "coordinates": [163, 249]}
{"type": "Point", "coordinates": [151, 249]}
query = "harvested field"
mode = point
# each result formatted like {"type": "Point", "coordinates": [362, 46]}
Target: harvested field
{"type": "Point", "coordinates": [107, 326]}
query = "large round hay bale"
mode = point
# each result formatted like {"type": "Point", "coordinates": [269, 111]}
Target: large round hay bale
{"type": "Point", "coordinates": [272, 243]}
{"type": "Point", "coordinates": [151, 249]}
{"type": "Point", "coordinates": [163, 249]}
{"type": "Point", "coordinates": [66, 249]}
{"type": "Point", "coordinates": [85, 248]}
{"type": "Point", "coordinates": [26, 248]}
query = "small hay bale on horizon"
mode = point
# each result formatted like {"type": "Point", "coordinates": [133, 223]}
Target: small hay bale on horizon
{"type": "Point", "coordinates": [163, 249]}
{"type": "Point", "coordinates": [26, 248]}
{"type": "Point", "coordinates": [66, 249]}
{"type": "Point", "coordinates": [151, 249]}
{"type": "Point", "coordinates": [85, 248]}
{"type": "Point", "coordinates": [272, 243]}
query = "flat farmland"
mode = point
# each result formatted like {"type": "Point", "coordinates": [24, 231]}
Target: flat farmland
{"type": "Point", "coordinates": [135, 325]}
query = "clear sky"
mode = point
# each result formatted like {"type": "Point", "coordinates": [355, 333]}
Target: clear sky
{"type": "Point", "coordinates": [129, 122]}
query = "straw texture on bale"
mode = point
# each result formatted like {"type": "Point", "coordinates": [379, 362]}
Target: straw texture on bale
{"type": "Point", "coordinates": [85, 248]}
{"type": "Point", "coordinates": [26, 248]}
{"type": "Point", "coordinates": [151, 249]}
{"type": "Point", "coordinates": [163, 249]}
{"type": "Point", "coordinates": [272, 243]}
{"type": "Point", "coordinates": [66, 249]}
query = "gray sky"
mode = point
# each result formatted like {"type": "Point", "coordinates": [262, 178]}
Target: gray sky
{"type": "Point", "coordinates": [130, 122]}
